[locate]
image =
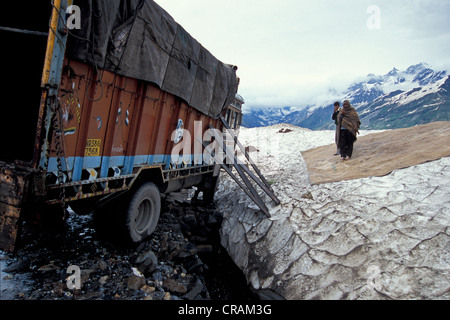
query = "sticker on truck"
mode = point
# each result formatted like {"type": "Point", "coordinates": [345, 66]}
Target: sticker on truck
{"type": "Point", "coordinates": [92, 148]}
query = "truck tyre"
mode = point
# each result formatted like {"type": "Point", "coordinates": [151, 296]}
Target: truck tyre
{"type": "Point", "coordinates": [143, 212]}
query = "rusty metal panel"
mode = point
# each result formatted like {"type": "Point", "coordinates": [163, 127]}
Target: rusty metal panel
{"type": "Point", "coordinates": [148, 122]}
{"type": "Point", "coordinates": [164, 119]}
{"type": "Point", "coordinates": [13, 185]}
{"type": "Point", "coordinates": [9, 226]}
{"type": "Point", "coordinates": [122, 109]}
{"type": "Point", "coordinates": [97, 120]}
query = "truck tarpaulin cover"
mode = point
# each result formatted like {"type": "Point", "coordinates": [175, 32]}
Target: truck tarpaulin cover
{"type": "Point", "coordinates": [139, 39]}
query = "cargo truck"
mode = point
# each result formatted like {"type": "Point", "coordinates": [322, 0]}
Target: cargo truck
{"type": "Point", "coordinates": [109, 104]}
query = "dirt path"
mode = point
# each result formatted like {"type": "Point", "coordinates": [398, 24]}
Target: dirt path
{"type": "Point", "coordinates": [379, 154]}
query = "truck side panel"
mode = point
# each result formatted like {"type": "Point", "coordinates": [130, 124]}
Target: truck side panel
{"type": "Point", "coordinates": [148, 121]}
{"type": "Point", "coordinates": [111, 124]}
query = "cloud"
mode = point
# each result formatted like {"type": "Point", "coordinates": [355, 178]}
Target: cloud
{"type": "Point", "coordinates": [299, 52]}
{"type": "Point", "coordinates": [419, 19]}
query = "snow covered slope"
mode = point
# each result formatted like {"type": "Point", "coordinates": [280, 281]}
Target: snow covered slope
{"type": "Point", "coordinates": [372, 238]}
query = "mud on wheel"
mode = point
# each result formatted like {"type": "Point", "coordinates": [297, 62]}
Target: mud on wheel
{"type": "Point", "coordinates": [143, 212]}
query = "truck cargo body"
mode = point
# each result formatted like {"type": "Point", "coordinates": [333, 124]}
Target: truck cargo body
{"type": "Point", "coordinates": [114, 127]}
{"type": "Point", "coordinates": [104, 132]}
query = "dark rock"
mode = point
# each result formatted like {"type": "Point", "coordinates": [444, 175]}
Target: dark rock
{"type": "Point", "coordinates": [59, 287]}
{"type": "Point", "coordinates": [196, 290]}
{"type": "Point", "coordinates": [170, 260]}
{"type": "Point", "coordinates": [157, 276]}
{"type": "Point", "coordinates": [185, 228]}
{"type": "Point", "coordinates": [158, 295]}
{"type": "Point", "coordinates": [165, 269]}
{"type": "Point", "coordinates": [174, 287]}
{"type": "Point", "coordinates": [194, 265]}
{"type": "Point", "coordinates": [308, 195]}
{"type": "Point", "coordinates": [90, 295]}
{"type": "Point", "coordinates": [269, 295]}
{"type": "Point", "coordinates": [212, 220]}
{"type": "Point", "coordinates": [102, 265]}
{"type": "Point", "coordinates": [205, 248]}
{"type": "Point", "coordinates": [103, 280]}
{"type": "Point", "coordinates": [190, 220]}
{"type": "Point", "coordinates": [174, 254]}
{"type": "Point", "coordinates": [141, 247]}
{"type": "Point", "coordinates": [147, 262]}
{"type": "Point", "coordinates": [48, 267]}
{"type": "Point", "coordinates": [135, 282]}
{"type": "Point", "coordinates": [17, 267]}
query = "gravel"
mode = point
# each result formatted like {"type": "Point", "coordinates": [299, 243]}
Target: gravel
{"type": "Point", "coordinates": [182, 260]}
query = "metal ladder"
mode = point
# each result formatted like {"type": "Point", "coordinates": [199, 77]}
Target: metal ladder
{"type": "Point", "coordinates": [244, 171]}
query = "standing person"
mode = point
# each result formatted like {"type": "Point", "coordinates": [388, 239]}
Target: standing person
{"type": "Point", "coordinates": [337, 109]}
{"type": "Point", "coordinates": [348, 127]}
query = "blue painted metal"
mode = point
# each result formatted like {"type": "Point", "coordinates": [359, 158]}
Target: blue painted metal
{"type": "Point", "coordinates": [54, 79]}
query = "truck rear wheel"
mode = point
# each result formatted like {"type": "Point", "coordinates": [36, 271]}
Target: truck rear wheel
{"type": "Point", "coordinates": [143, 212]}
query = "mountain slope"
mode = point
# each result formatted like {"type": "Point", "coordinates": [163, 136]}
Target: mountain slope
{"type": "Point", "coordinates": [405, 109]}
{"type": "Point", "coordinates": [397, 99]}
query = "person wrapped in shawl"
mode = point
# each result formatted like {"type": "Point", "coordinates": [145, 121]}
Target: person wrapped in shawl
{"type": "Point", "coordinates": [348, 128]}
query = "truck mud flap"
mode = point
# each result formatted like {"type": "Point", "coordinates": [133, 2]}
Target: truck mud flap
{"type": "Point", "coordinates": [14, 183]}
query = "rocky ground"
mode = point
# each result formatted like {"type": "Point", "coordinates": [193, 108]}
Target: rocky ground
{"type": "Point", "coordinates": [182, 260]}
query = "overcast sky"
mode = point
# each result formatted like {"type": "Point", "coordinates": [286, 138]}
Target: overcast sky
{"type": "Point", "coordinates": [291, 52]}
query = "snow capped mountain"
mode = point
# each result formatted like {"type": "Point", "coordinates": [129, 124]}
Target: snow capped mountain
{"type": "Point", "coordinates": [397, 99]}
{"type": "Point", "coordinates": [401, 109]}
{"type": "Point", "coordinates": [262, 117]}
{"type": "Point", "coordinates": [374, 86]}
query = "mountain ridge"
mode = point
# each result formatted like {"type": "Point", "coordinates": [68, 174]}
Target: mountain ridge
{"type": "Point", "coordinates": [398, 99]}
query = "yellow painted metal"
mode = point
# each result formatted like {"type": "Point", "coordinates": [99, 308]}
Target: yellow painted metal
{"type": "Point", "coordinates": [52, 37]}
{"type": "Point", "coordinates": [51, 42]}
